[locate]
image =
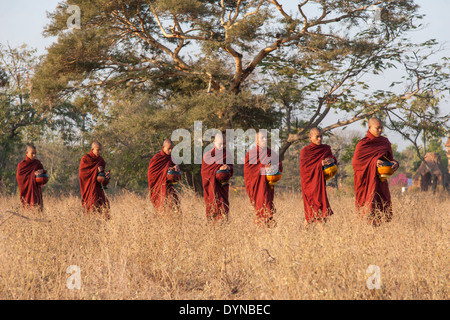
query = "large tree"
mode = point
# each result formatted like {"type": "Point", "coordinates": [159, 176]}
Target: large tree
{"type": "Point", "coordinates": [329, 74]}
{"type": "Point", "coordinates": [23, 120]}
{"type": "Point", "coordinates": [240, 64]}
{"type": "Point", "coordinates": [18, 117]}
{"type": "Point", "coordinates": [218, 45]}
{"type": "Point", "coordinates": [136, 41]}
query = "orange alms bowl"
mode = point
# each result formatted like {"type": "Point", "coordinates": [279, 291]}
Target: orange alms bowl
{"type": "Point", "coordinates": [386, 170]}
{"type": "Point", "coordinates": [272, 179]}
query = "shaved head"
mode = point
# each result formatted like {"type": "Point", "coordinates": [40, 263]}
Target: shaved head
{"type": "Point", "coordinates": [374, 121]}
{"type": "Point", "coordinates": [96, 144]}
{"type": "Point", "coordinates": [315, 136]}
{"type": "Point", "coordinates": [31, 151]}
{"type": "Point", "coordinates": [219, 141]}
{"type": "Point", "coordinates": [219, 136]}
{"type": "Point", "coordinates": [167, 146]}
{"type": "Point", "coordinates": [314, 131]}
{"type": "Point", "coordinates": [375, 127]}
{"type": "Point", "coordinates": [96, 148]}
{"type": "Point", "coordinates": [167, 142]}
{"type": "Point", "coordinates": [261, 139]}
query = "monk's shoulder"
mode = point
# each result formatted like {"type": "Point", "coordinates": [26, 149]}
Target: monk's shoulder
{"type": "Point", "coordinates": [155, 157]}
{"type": "Point", "coordinates": [305, 150]}
{"type": "Point", "coordinates": [360, 144]}
{"type": "Point", "coordinates": [254, 149]}
{"type": "Point", "coordinates": [208, 153]}
{"type": "Point", "coordinates": [85, 157]}
{"type": "Point", "coordinates": [363, 141]}
{"type": "Point", "coordinates": [102, 161]}
{"type": "Point", "coordinates": [253, 152]}
{"type": "Point", "coordinates": [39, 163]}
{"type": "Point", "coordinates": [21, 164]}
{"type": "Point", "coordinates": [385, 140]}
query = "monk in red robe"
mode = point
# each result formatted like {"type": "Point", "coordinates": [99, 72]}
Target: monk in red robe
{"type": "Point", "coordinates": [214, 193]}
{"type": "Point", "coordinates": [30, 191]}
{"type": "Point", "coordinates": [163, 193]}
{"type": "Point", "coordinates": [93, 197]}
{"type": "Point", "coordinates": [372, 195]}
{"type": "Point", "coordinates": [258, 161]}
{"type": "Point", "coordinates": [312, 158]}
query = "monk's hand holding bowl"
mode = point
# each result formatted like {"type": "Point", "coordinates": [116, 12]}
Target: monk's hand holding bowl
{"type": "Point", "coordinates": [108, 174]}
{"type": "Point", "coordinates": [379, 163]}
{"type": "Point", "coordinates": [38, 172]}
{"type": "Point", "coordinates": [224, 167]}
{"type": "Point", "coordinates": [327, 161]}
{"type": "Point", "coordinates": [395, 166]}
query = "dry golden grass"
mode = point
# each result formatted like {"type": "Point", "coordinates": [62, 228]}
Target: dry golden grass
{"type": "Point", "coordinates": [141, 255]}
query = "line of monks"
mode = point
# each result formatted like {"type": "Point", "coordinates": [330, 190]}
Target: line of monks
{"type": "Point", "coordinates": [372, 194]}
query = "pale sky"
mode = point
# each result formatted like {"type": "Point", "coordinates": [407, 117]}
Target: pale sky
{"type": "Point", "coordinates": [22, 21]}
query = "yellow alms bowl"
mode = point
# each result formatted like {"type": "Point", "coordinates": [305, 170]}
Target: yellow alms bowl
{"type": "Point", "coordinates": [329, 171]}
{"type": "Point", "coordinates": [385, 171]}
{"type": "Point", "coordinates": [273, 178]}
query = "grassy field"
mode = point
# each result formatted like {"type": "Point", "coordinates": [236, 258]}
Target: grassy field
{"type": "Point", "coordinates": [141, 255]}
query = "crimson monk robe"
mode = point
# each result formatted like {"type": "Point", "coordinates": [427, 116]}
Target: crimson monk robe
{"type": "Point", "coordinates": [261, 194]}
{"type": "Point", "coordinates": [30, 191]}
{"type": "Point", "coordinates": [93, 197]}
{"type": "Point", "coordinates": [314, 191]}
{"type": "Point", "coordinates": [371, 193]}
{"type": "Point", "coordinates": [162, 192]}
{"type": "Point", "coordinates": [215, 194]}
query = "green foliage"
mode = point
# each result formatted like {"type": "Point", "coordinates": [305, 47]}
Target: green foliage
{"type": "Point", "coordinates": [20, 120]}
{"type": "Point", "coordinates": [131, 132]}
{"type": "Point", "coordinates": [137, 70]}
{"type": "Point", "coordinates": [347, 155]}
{"type": "Point", "coordinates": [62, 163]}
{"type": "Point", "coordinates": [137, 123]}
